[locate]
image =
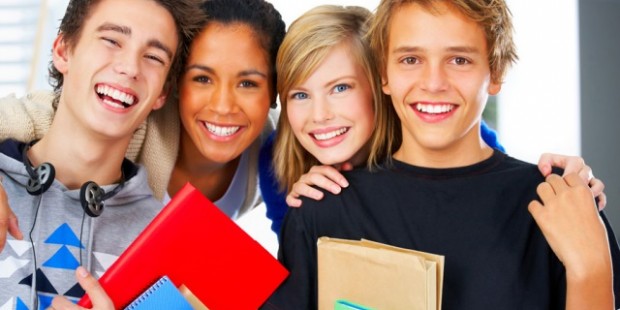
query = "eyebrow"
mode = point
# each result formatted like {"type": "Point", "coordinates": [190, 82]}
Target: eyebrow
{"type": "Point", "coordinates": [329, 83]}
{"type": "Point", "coordinates": [459, 49]}
{"type": "Point", "coordinates": [240, 74]}
{"type": "Point", "coordinates": [252, 72]}
{"type": "Point", "coordinates": [124, 30]}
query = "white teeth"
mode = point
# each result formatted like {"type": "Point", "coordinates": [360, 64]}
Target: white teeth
{"type": "Point", "coordinates": [434, 108]}
{"type": "Point", "coordinates": [330, 135]}
{"type": "Point", "coordinates": [222, 131]}
{"type": "Point", "coordinates": [115, 94]}
{"type": "Point", "coordinates": [113, 104]}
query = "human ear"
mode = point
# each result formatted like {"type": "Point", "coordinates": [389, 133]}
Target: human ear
{"type": "Point", "coordinates": [160, 101]}
{"type": "Point", "coordinates": [384, 85]}
{"type": "Point", "coordinates": [494, 88]}
{"type": "Point", "coordinates": [60, 54]}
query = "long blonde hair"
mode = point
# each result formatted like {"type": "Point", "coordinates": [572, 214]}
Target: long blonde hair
{"type": "Point", "coordinates": [307, 43]}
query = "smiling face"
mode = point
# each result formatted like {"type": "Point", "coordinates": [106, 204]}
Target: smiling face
{"type": "Point", "coordinates": [115, 74]}
{"type": "Point", "coordinates": [331, 113]}
{"type": "Point", "coordinates": [225, 92]}
{"type": "Point", "coordinates": [439, 79]}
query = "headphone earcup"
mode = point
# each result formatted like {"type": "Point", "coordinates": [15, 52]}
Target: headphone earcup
{"type": "Point", "coordinates": [91, 197]}
{"type": "Point", "coordinates": [41, 180]}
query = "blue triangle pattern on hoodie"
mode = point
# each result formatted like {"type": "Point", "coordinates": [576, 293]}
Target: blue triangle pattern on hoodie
{"type": "Point", "coordinates": [44, 301]}
{"type": "Point", "coordinates": [63, 259]}
{"type": "Point", "coordinates": [64, 235]}
{"type": "Point", "coordinates": [20, 305]}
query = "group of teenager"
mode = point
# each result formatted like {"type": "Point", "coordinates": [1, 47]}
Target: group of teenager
{"type": "Point", "coordinates": [152, 94]}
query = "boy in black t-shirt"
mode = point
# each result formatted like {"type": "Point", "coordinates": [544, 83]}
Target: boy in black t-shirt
{"type": "Point", "coordinates": [511, 239]}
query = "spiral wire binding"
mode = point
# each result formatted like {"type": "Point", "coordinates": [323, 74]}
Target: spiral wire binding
{"type": "Point", "coordinates": [147, 293]}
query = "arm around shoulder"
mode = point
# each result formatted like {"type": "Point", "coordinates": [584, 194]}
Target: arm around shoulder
{"type": "Point", "coordinates": [26, 118]}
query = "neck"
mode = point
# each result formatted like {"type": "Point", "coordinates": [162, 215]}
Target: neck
{"type": "Point", "coordinates": [78, 157]}
{"type": "Point", "coordinates": [466, 151]}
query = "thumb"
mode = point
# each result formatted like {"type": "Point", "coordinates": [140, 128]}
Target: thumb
{"type": "Point", "coordinates": [97, 294]}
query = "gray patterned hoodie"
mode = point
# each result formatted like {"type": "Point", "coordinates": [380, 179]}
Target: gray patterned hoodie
{"type": "Point", "coordinates": [64, 236]}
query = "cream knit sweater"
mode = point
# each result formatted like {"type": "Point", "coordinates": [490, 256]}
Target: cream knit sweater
{"type": "Point", "coordinates": [155, 143]}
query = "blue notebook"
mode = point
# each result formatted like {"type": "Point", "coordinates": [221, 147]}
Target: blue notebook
{"type": "Point", "coordinates": [161, 295]}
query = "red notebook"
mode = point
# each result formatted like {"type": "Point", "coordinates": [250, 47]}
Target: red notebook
{"type": "Point", "coordinates": [196, 245]}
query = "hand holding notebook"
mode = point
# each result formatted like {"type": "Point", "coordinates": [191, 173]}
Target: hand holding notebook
{"type": "Point", "coordinates": [196, 245]}
{"type": "Point", "coordinates": [161, 295]}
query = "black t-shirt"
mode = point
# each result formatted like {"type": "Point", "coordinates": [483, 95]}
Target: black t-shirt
{"type": "Point", "coordinates": [495, 255]}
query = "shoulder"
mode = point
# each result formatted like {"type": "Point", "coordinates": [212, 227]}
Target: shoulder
{"type": "Point", "coordinates": [362, 183]}
{"type": "Point", "coordinates": [26, 118]}
{"type": "Point", "coordinates": [265, 156]}
{"type": "Point", "coordinates": [269, 127]}
{"type": "Point", "coordinates": [36, 101]}
{"type": "Point", "coordinates": [12, 149]}
{"type": "Point", "coordinates": [514, 165]}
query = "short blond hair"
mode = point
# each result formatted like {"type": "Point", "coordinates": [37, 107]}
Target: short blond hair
{"type": "Point", "coordinates": [307, 43]}
{"type": "Point", "coordinates": [493, 15]}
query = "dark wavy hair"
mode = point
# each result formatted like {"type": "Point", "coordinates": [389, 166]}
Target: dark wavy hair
{"type": "Point", "coordinates": [260, 16]}
{"type": "Point", "coordinates": [186, 14]}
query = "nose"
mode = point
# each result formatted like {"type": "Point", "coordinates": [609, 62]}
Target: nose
{"type": "Point", "coordinates": [434, 78]}
{"type": "Point", "coordinates": [321, 110]}
{"type": "Point", "coordinates": [223, 100]}
{"type": "Point", "coordinates": [127, 64]}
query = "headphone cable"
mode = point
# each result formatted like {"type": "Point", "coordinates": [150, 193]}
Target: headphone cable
{"type": "Point", "coordinates": [34, 253]}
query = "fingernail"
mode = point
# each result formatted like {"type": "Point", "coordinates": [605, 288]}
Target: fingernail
{"type": "Point", "coordinates": [81, 271]}
{"type": "Point", "coordinates": [336, 189]}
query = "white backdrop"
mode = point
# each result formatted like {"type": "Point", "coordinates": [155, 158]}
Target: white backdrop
{"type": "Point", "coordinates": [539, 105]}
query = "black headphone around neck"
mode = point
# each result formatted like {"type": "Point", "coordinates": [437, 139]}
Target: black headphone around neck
{"type": "Point", "coordinates": [92, 196]}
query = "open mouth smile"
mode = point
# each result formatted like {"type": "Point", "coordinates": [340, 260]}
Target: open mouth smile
{"type": "Point", "coordinates": [114, 97]}
{"type": "Point", "coordinates": [434, 108]}
{"type": "Point", "coordinates": [329, 135]}
{"type": "Point", "coordinates": [222, 131]}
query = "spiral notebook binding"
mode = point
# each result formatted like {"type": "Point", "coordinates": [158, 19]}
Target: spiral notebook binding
{"type": "Point", "coordinates": [152, 289]}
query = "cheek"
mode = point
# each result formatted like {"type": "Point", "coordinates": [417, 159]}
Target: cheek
{"type": "Point", "coordinates": [296, 118]}
{"type": "Point", "coordinates": [366, 118]}
{"type": "Point", "coordinates": [392, 87]}
{"type": "Point", "coordinates": [189, 102]}
{"type": "Point", "coordinates": [481, 93]}
{"type": "Point", "coordinates": [257, 110]}
{"type": "Point", "coordinates": [158, 78]}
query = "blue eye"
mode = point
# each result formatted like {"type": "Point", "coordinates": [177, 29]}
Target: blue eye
{"type": "Point", "coordinates": [299, 96]}
{"type": "Point", "coordinates": [341, 87]}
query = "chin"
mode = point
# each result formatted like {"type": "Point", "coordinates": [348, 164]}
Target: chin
{"type": "Point", "coordinates": [330, 160]}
